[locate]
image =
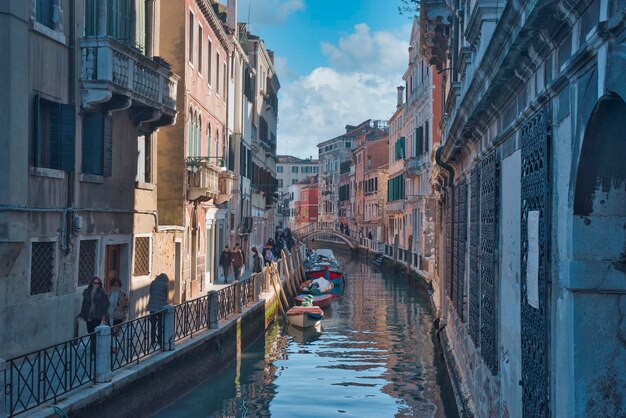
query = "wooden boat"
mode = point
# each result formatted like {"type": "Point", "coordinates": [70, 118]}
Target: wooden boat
{"type": "Point", "coordinates": [321, 301]}
{"type": "Point", "coordinates": [336, 277]}
{"type": "Point", "coordinates": [305, 316]}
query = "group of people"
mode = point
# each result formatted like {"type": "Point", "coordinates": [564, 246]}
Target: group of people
{"type": "Point", "coordinates": [101, 308]}
{"type": "Point", "coordinates": [234, 257]}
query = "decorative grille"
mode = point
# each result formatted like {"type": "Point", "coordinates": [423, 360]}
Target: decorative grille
{"type": "Point", "coordinates": [474, 273]}
{"type": "Point", "coordinates": [87, 261]}
{"type": "Point", "coordinates": [454, 296]}
{"type": "Point", "coordinates": [461, 239]}
{"type": "Point", "coordinates": [41, 267]}
{"type": "Point", "coordinates": [448, 221]}
{"type": "Point", "coordinates": [142, 256]}
{"type": "Point", "coordinates": [488, 242]}
{"type": "Point", "coordinates": [535, 322]}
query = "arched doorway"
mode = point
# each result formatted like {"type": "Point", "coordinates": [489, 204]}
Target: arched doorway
{"type": "Point", "coordinates": [598, 262]}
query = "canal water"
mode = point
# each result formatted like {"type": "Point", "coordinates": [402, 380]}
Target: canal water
{"type": "Point", "coordinates": [374, 356]}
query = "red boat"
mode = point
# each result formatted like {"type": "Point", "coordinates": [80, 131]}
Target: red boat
{"type": "Point", "coordinates": [334, 276]}
{"type": "Point", "coordinates": [321, 301]}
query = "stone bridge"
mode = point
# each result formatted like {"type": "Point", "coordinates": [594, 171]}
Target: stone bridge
{"type": "Point", "coordinates": [313, 230]}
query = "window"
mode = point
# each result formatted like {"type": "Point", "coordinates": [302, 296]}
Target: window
{"type": "Point", "coordinates": [225, 79]}
{"type": "Point", "coordinates": [97, 144]}
{"type": "Point", "coordinates": [54, 135]}
{"type": "Point", "coordinates": [41, 267]}
{"type": "Point", "coordinates": [294, 169]}
{"type": "Point", "coordinates": [217, 75]}
{"type": "Point", "coordinates": [279, 168]}
{"type": "Point", "coordinates": [199, 49]}
{"type": "Point", "coordinates": [44, 10]}
{"type": "Point", "coordinates": [294, 181]}
{"type": "Point", "coordinates": [209, 68]}
{"type": "Point", "coordinates": [144, 159]}
{"type": "Point", "coordinates": [87, 261]}
{"type": "Point", "coordinates": [280, 182]}
{"type": "Point", "coordinates": [142, 256]}
{"type": "Point", "coordinates": [191, 26]}
{"type": "Point", "coordinates": [348, 144]}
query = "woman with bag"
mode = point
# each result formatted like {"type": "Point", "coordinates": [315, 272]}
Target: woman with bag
{"type": "Point", "coordinates": [94, 307]}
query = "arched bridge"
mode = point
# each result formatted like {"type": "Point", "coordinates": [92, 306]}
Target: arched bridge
{"type": "Point", "coordinates": [313, 230]}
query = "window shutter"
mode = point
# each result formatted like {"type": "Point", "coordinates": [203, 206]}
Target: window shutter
{"type": "Point", "coordinates": [426, 137]}
{"type": "Point", "coordinates": [67, 119]}
{"type": "Point", "coordinates": [420, 140]}
{"type": "Point", "coordinates": [37, 131]}
{"type": "Point", "coordinates": [55, 136]}
{"type": "Point", "coordinates": [92, 143]}
{"type": "Point", "coordinates": [108, 146]}
{"type": "Point", "coordinates": [231, 153]}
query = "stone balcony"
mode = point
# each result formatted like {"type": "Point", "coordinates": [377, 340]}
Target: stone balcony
{"type": "Point", "coordinates": [396, 206]}
{"type": "Point", "coordinates": [225, 186]}
{"type": "Point", "coordinates": [435, 31]}
{"type": "Point", "coordinates": [202, 180]}
{"type": "Point", "coordinates": [115, 77]}
{"type": "Point", "coordinates": [416, 165]}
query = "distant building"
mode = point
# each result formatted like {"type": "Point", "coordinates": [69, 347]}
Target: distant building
{"type": "Point", "coordinates": [332, 153]}
{"type": "Point", "coordinates": [291, 170]}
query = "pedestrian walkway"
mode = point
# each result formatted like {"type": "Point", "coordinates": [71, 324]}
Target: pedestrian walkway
{"type": "Point", "coordinates": [231, 278]}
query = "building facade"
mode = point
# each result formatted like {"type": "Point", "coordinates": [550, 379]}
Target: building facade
{"type": "Point", "coordinates": [193, 155]}
{"type": "Point", "coordinates": [531, 203]}
{"type": "Point", "coordinates": [78, 190]}
{"type": "Point", "coordinates": [291, 170]}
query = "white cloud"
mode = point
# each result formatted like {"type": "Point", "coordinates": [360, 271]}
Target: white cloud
{"type": "Point", "coordinates": [360, 84]}
{"type": "Point", "coordinates": [267, 12]}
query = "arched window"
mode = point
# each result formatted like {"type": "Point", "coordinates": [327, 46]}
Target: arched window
{"type": "Point", "coordinates": [189, 131]}
{"type": "Point", "coordinates": [217, 142]}
{"type": "Point", "coordinates": [199, 137]}
{"type": "Point", "coordinates": [208, 141]}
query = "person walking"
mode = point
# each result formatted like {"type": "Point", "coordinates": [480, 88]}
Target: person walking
{"type": "Point", "coordinates": [94, 308]}
{"type": "Point", "coordinates": [268, 254]}
{"type": "Point", "coordinates": [225, 261]}
{"type": "Point", "coordinates": [257, 261]}
{"type": "Point", "coordinates": [156, 301]}
{"type": "Point", "coordinates": [237, 260]}
{"type": "Point", "coordinates": [118, 309]}
{"type": "Point", "coordinates": [118, 303]}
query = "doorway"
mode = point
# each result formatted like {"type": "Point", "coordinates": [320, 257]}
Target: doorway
{"type": "Point", "coordinates": [112, 265]}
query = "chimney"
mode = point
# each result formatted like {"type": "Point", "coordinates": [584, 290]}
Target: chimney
{"type": "Point", "coordinates": [400, 96]}
{"type": "Point", "coordinates": [231, 14]}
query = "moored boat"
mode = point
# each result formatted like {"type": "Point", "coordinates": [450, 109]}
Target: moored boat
{"type": "Point", "coordinates": [321, 301]}
{"type": "Point", "coordinates": [319, 286]}
{"type": "Point", "coordinates": [305, 316]}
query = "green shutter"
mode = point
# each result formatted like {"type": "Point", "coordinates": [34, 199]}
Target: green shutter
{"type": "Point", "coordinates": [92, 147]}
{"type": "Point", "coordinates": [37, 131]}
{"type": "Point", "coordinates": [107, 141]}
{"type": "Point", "coordinates": [140, 25]}
{"type": "Point", "coordinates": [67, 122]}
{"type": "Point", "coordinates": [231, 153]}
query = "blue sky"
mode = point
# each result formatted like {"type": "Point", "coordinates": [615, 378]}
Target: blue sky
{"type": "Point", "coordinates": [338, 63]}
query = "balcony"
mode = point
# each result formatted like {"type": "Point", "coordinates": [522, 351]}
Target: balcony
{"type": "Point", "coordinates": [225, 181]}
{"type": "Point", "coordinates": [116, 76]}
{"type": "Point", "coordinates": [203, 180]}
{"type": "Point", "coordinates": [416, 165]}
{"type": "Point", "coordinates": [396, 206]}
{"type": "Point", "coordinates": [435, 30]}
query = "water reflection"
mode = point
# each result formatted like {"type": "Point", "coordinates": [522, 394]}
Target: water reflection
{"type": "Point", "coordinates": [373, 356]}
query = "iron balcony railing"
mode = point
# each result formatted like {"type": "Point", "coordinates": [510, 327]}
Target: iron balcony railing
{"type": "Point", "coordinates": [42, 376]}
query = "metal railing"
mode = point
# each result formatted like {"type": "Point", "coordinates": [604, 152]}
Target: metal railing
{"type": "Point", "coordinates": [134, 340]}
{"type": "Point", "coordinates": [46, 374]}
{"type": "Point", "coordinates": [41, 376]}
{"type": "Point", "coordinates": [191, 317]}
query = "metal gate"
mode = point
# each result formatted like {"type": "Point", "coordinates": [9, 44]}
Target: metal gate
{"type": "Point", "coordinates": [474, 274]}
{"type": "Point", "coordinates": [535, 322]}
{"type": "Point", "coordinates": [489, 192]}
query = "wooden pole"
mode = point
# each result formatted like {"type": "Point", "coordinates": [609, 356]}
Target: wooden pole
{"type": "Point", "coordinates": [276, 276]}
{"type": "Point", "coordinates": [276, 291]}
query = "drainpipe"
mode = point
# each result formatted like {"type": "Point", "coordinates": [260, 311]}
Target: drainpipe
{"type": "Point", "coordinates": [449, 184]}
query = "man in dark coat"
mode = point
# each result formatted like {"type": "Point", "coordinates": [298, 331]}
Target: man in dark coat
{"type": "Point", "coordinates": [226, 259]}
{"type": "Point", "coordinates": [257, 261]}
{"type": "Point", "coordinates": [156, 302]}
